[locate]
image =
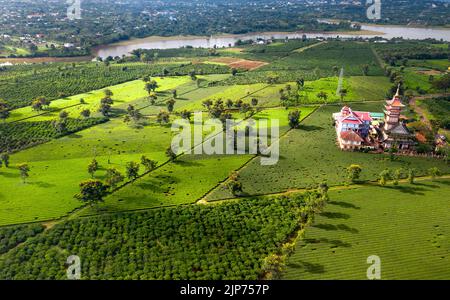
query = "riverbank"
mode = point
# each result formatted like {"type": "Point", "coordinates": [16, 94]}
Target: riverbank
{"type": "Point", "coordinates": [31, 60]}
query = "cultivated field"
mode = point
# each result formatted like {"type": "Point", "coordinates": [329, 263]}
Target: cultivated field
{"type": "Point", "coordinates": [406, 226]}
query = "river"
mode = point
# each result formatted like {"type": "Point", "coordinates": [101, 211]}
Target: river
{"type": "Point", "coordinates": [125, 47]}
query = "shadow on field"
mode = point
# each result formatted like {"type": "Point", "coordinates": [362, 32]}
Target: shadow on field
{"type": "Point", "coordinates": [187, 163]}
{"type": "Point", "coordinates": [335, 215]}
{"type": "Point", "coordinates": [308, 267]}
{"type": "Point", "coordinates": [10, 175]}
{"type": "Point", "coordinates": [342, 227]}
{"type": "Point", "coordinates": [413, 190]}
{"type": "Point", "coordinates": [344, 204]}
{"type": "Point", "coordinates": [154, 187]}
{"type": "Point", "coordinates": [336, 243]}
{"type": "Point", "coordinates": [310, 127]}
{"type": "Point", "coordinates": [41, 184]}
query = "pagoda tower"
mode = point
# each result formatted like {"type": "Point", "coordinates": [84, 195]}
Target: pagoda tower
{"type": "Point", "coordinates": [392, 112]}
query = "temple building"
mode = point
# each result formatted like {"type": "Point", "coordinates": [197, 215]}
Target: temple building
{"type": "Point", "coordinates": [394, 132]}
{"type": "Point", "coordinates": [352, 128]}
{"type": "Point", "coordinates": [373, 130]}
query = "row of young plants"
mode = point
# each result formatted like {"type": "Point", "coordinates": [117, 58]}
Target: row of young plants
{"type": "Point", "coordinates": [20, 135]}
{"type": "Point", "coordinates": [230, 240]}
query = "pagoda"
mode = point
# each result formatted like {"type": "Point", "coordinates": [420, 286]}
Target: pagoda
{"type": "Point", "coordinates": [395, 133]}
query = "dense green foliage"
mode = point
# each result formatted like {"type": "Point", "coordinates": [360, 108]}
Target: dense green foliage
{"type": "Point", "coordinates": [223, 241]}
{"type": "Point", "coordinates": [20, 135]}
{"type": "Point", "coordinates": [398, 51]}
{"type": "Point", "coordinates": [10, 237]}
{"type": "Point", "coordinates": [439, 109]}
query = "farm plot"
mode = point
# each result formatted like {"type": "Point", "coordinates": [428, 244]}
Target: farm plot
{"type": "Point", "coordinates": [240, 64]}
{"type": "Point", "coordinates": [224, 92]}
{"type": "Point", "coordinates": [382, 221]}
{"type": "Point", "coordinates": [351, 56]}
{"type": "Point", "coordinates": [58, 166]}
{"type": "Point", "coordinates": [224, 241]}
{"type": "Point", "coordinates": [124, 94]}
{"type": "Point", "coordinates": [433, 64]}
{"type": "Point", "coordinates": [181, 182]}
{"type": "Point", "coordinates": [309, 155]}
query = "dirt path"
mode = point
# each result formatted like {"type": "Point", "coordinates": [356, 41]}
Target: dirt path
{"type": "Point", "coordinates": [309, 47]}
{"type": "Point", "coordinates": [419, 110]}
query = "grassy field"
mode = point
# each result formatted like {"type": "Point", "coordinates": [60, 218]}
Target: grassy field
{"type": "Point", "coordinates": [434, 64]}
{"type": "Point", "coordinates": [124, 94]}
{"type": "Point", "coordinates": [350, 56]}
{"type": "Point", "coordinates": [310, 155]}
{"type": "Point", "coordinates": [57, 168]}
{"type": "Point", "coordinates": [181, 182]}
{"type": "Point", "coordinates": [406, 226]}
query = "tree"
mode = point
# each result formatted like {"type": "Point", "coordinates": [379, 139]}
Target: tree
{"type": "Point", "coordinates": [174, 94]}
{"type": "Point", "coordinates": [92, 191]}
{"type": "Point", "coordinates": [229, 103]}
{"type": "Point", "coordinates": [384, 177]}
{"type": "Point", "coordinates": [113, 178]}
{"type": "Point", "coordinates": [354, 172]}
{"type": "Point", "coordinates": [273, 266]}
{"type": "Point", "coordinates": [63, 114]}
{"type": "Point", "coordinates": [132, 170]}
{"type": "Point", "coordinates": [85, 113]}
{"type": "Point", "coordinates": [434, 172]}
{"type": "Point", "coordinates": [185, 114]}
{"type": "Point", "coordinates": [234, 71]}
{"type": "Point", "coordinates": [170, 104]}
{"type": "Point", "coordinates": [254, 101]}
{"type": "Point", "coordinates": [148, 164]}
{"type": "Point", "coordinates": [163, 117]}
{"type": "Point", "coordinates": [108, 93]}
{"type": "Point", "coordinates": [4, 157]}
{"type": "Point", "coordinates": [24, 170]}
{"type": "Point", "coordinates": [442, 83]}
{"type": "Point", "coordinates": [343, 94]}
{"type": "Point", "coordinates": [93, 167]}
{"type": "Point", "coordinates": [365, 69]}
{"type": "Point", "coordinates": [152, 97]}
{"type": "Point", "coordinates": [398, 173]}
{"type": "Point", "coordinates": [105, 109]}
{"type": "Point", "coordinates": [36, 105]}
{"type": "Point", "coordinates": [170, 154]}
{"type": "Point", "coordinates": [411, 176]}
{"type": "Point", "coordinates": [4, 110]}
{"type": "Point", "coordinates": [133, 114]}
{"type": "Point", "coordinates": [294, 119]}
{"type": "Point", "coordinates": [151, 86]}
{"type": "Point", "coordinates": [207, 103]}
{"type": "Point", "coordinates": [235, 187]}
{"type": "Point", "coordinates": [60, 125]}
{"type": "Point", "coordinates": [322, 95]}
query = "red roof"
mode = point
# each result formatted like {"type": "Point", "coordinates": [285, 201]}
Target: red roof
{"type": "Point", "coordinates": [351, 121]}
{"type": "Point", "coordinates": [363, 115]}
{"type": "Point", "coordinates": [350, 135]}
